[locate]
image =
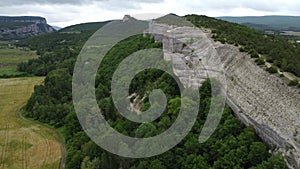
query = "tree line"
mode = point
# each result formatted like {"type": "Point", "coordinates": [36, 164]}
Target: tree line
{"type": "Point", "coordinates": [277, 50]}
{"type": "Point", "coordinates": [233, 145]}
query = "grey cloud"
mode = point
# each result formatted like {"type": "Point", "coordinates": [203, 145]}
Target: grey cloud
{"type": "Point", "coordinates": [71, 2]}
{"type": "Point", "coordinates": [228, 5]}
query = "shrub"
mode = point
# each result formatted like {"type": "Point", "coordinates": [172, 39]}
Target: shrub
{"type": "Point", "coordinates": [242, 49]}
{"type": "Point", "coordinates": [272, 69]}
{"type": "Point", "coordinates": [293, 82]}
{"type": "Point", "coordinates": [253, 53]}
{"type": "Point", "coordinates": [260, 61]}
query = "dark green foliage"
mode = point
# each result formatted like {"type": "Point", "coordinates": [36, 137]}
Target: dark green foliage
{"type": "Point", "coordinates": [253, 53]}
{"type": "Point", "coordinates": [84, 27]}
{"type": "Point", "coordinates": [272, 69]}
{"type": "Point", "coordinates": [260, 61]}
{"type": "Point", "coordinates": [51, 102]}
{"type": "Point", "coordinates": [275, 162]}
{"type": "Point", "coordinates": [57, 50]}
{"type": "Point", "coordinates": [232, 144]}
{"type": "Point", "coordinates": [23, 74]}
{"type": "Point", "coordinates": [294, 82]}
{"type": "Point", "coordinates": [277, 49]}
{"type": "Point", "coordinates": [123, 49]}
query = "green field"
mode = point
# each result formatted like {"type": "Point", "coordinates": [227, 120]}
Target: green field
{"type": "Point", "coordinates": [24, 144]}
{"type": "Point", "coordinates": [11, 56]}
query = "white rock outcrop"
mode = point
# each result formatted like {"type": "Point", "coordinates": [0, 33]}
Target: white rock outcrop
{"type": "Point", "coordinates": [257, 97]}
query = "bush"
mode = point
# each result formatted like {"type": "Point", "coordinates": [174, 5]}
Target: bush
{"type": "Point", "coordinates": [260, 61]}
{"type": "Point", "coordinates": [293, 82]}
{"type": "Point", "coordinates": [253, 54]}
{"type": "Point", "coordinates": [242, 49]}
{"type": "Point", "coordinates": [272, 69]}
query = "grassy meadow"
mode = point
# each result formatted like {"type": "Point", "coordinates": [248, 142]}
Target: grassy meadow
{"type": "Point", "coordinates": [24, 144]}
{"type": "Point", "coordinates": [10, 57]}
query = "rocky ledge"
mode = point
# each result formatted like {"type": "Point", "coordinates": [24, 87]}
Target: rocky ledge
{"type": "Point", "coordinates": [22, 27]}
{"type": "Point", "coordinates": [258, 98]}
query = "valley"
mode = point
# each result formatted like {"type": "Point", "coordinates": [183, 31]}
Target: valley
{"type": "Point", "coordinates": [258, 129]}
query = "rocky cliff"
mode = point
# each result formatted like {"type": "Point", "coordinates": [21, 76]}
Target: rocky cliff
{"type": "Point", "coordinates": [258, 98]}
{"type": "Point", "coordinates": [22, 27]}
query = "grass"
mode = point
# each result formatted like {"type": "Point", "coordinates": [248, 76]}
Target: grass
{"type": "Point", "coordinates": [24, 144]}
{"type": "Point", "coordinates": [16, 55]}
{"type": "Point", "coordinates": [10, 57]}
{"type": "Point", "coordinates": [10, 71]}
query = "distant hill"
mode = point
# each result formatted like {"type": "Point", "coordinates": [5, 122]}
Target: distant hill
{"type": "Point", "coordinates": [12, 28]}
{"type": "Point", "coordinates": [84, 27]}
{"type": "Point", "coordinates": [279, 23]}
{"type": "Point", "coordinates": [57, 28]}
{"type": "Point", "coordinates": [173, 19]}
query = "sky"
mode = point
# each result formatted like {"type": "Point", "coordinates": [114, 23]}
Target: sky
{"type": "Point", "coordinates": [63, 13]}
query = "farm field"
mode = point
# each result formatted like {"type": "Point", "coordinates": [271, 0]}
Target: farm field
{"type": "Point", "coordinates": [291, 33]}
{"type": "Point", "coordinates": [10, 57]}
{"type": "Point", "coordinates": [24, 144]}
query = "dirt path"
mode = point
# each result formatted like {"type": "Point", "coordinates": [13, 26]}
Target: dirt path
{"type": "Point", "coordinates": [25, 144]}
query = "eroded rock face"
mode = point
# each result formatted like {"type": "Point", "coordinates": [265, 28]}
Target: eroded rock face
{"type": "Point", "coordinates": [33, 19]}
{"type": "Point", "coordinates": [13, 27]}
{"type": "Point", "coordinates": [257, 97]}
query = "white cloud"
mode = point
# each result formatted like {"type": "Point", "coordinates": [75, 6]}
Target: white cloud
{"type": "Point", "coordinates": [63, 13]}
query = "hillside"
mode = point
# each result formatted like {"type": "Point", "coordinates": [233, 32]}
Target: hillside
{"type": "Point", "coordinates": [279, 23]}
{"type": "Point", "coordinates": [273, 49]}
{"type": "Point", "coordinates": [259, 98]}
{"type": "Point", "coordinates": [84, 27]}
{"type": "Point", "coordinates": [232, 145]}
{"type": "Point", "coordinates": [12, 28]}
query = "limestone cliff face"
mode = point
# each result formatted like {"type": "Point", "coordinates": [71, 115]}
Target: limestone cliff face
{"type": "Point", "coordinates": [22, 27]}
{"type": "Point", "coordinates": [257, 97]}
{"type": "Point", "coordinates": [33, 19]}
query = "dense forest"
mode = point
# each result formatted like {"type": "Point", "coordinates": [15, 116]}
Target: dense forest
{"type": "Point", "coordinates": [233, 145]}
{"type": "Point", "coordinates": [276, 49]}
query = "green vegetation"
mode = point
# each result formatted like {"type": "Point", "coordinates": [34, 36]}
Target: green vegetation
{"type": "Point", "coordinates": [294, 82]}
{"type": "Point", "coordinates": [173, 19]}
{"type": "Point", "coordinates": [279, 23]}
{"type": "Point", "coordinates": [10, 57]}
{"type": "Point", "coordinates": [23, 143]}
{"type": "Point", "coordinates": [231, 146]}
{"type": "Point", "coordinates": [272, 69]}
{"type": "Point", "coordinates": [58, 49]}
{"type": "Point", "coordinates": [277, 50]}
{"type": "Point", "coordinates": [260, 61]}
{"type": "Point", "coordinates": [84, 27]}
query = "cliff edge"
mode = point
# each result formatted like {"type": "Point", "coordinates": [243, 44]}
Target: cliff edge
{"type": "Point", "coordinates": [13, 28]}
{"type": "Point", "coordinates": [257, 98]}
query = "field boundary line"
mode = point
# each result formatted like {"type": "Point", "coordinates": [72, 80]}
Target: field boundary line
{"type": "Point", "coordinates": [56, 135]}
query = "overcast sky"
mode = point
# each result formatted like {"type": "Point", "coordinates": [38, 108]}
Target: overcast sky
{"type": "Point", "coordinates": [68, 12]}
